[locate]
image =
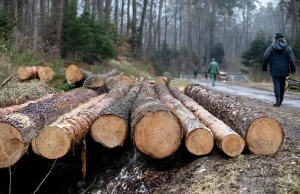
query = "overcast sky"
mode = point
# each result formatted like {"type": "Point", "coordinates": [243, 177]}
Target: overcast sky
{"type": "Point", "coordinates": [265, 2]}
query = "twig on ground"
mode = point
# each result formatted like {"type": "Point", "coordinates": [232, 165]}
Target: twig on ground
{"type": "Point", "coordinates": [45, 177]}
{"type": "Point", "coordinates": [83, 192]}
{"type": "Point", "coordinates": [7, 80]}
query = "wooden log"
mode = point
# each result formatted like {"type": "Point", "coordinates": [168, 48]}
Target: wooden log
{"type": "Point", "coordinates": [62, 136]}
{"type": "Point", "coordinates": [45, 73]}
{"type": "Point", "coordinates": [25, 73]}
{"type": "Point", "coordinates": [74, 74]}
{"type": "Point", "coordinates": [19, 128]}
{"type": "Point", "coordinates": [263, 134]}
{"type": "Point", "coordinates": [8, 110]}
{"type": "Point", "coordinates": [226, 139]}
{"type": "Point", "coordinates": [96, 81]}
{"type": "Point", "coordinates": [111, 128]}
{"type": "Point", "coordinates": [155, 130]}
{"type": "Point", "coordinates": [198, 138]}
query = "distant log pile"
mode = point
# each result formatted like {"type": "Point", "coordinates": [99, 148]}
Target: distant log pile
{"type": "Point", "coordinates": [293, 83]}
{"type": "Point", "coordinates": [44, 73]}
{"type": "Point", "coordinates": [263, 134]}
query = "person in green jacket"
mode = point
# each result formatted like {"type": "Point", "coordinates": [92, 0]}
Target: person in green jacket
{"type": "Point", "coordinates": [213, 70]}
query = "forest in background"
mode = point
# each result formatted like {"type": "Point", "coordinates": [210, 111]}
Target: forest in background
{"type": "Point", "coordinates": [174, 35]}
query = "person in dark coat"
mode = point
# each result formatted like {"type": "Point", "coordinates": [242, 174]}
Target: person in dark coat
{"type": "Point", "coordinates": [195, 72]}
{"type": "Point", "coordinates": [282, 63]}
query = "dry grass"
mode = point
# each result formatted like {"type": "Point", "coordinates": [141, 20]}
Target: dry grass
{"type": "Point", "coordinates": [180, 83]}
{"type": "Point", "coordinates": [6, 67]}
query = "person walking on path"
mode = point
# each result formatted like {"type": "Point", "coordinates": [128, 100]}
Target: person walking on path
{"type": "Point", "coordinates": [195, 72]}
{"type": "Point", "coordinates": [213, 70]}
{"type": "Point", "coordinates": [282, 63]}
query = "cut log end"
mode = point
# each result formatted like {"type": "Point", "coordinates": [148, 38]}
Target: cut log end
{"type": "Point", "coordinates": [25, 73]}
{"type": "Point", "coordinates": [158, 134]}
{"type": "Point", "coordinates": [53, 142]}
{"type": "Point", "coordinates": [94, 82]}
{"type": "Point", "coordinates": [233, 145]}
{"type": "Point", "coordinates": [264, 136]}
{"type": "Point", "coordinates": [45, 74]}
{"type": "Point", "coordinates": [73, 74]}
{"type": "Point", "coordinates": [199, 142]}
{"type": "Point", "coordinates": [34, 148]}
{"type": "Point", "coordinates": [109, 130]}
{"type": "Point", "coordinates": [11, 145]}
{"type": "Point", "coordinates": [126, 80]}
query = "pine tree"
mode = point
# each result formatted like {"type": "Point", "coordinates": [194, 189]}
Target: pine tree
{"type": "Point", "coordinates": [296, 48]}
{"type": "Point", "coordinates": [217, 52]}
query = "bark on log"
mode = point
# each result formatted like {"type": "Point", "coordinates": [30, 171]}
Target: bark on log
{"type": "Point", "coordinates": [110, 83]}
{"type": "Point", "coordinates": [19, 128]}
{"type": "Point", "coordinates": [226, 139]}
{"type": "Point", "coordinates": [8, 110]}
{"type": "Point", "coordinates": [45, 73]}
{"type": "Point", "coordinates": [198, 138]}
{"type": "Point", "coordinates": [74, 74]}
{"type": "Point", "coordinates": [111, 128]}
{"type": "Point", "coordinates": [25, 73]}
{"type": "Point", "coordinates": [155, 130]}
{"type": "Point", "coordinates": [96, 81]}
{"type": "Point", "coordinates": [63, 135]}
{"type": "Point", "coordinates": [263, 134]}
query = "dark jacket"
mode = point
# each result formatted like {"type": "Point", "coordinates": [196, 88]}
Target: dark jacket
{"type": "Point", "coordinates": [281, 59]}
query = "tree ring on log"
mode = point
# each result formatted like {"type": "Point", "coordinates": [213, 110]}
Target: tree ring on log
{"type": "Point", "coordinates": [199, 142]}
{"type": "Point", "coordinates": [73, 74]}
{"type": "Point", "coordinates": [11, 145]}
{"type": "Point", "coordinates": [264, 136]}
{"type": "Point", "coordinates": [54, 142]}
{"type": "Point", "coordinates": [109, 130]}
{"type": "Point", "coordinates": [34, 148]}
{"type": "Point", "coordinates": [126, 80]}
{"type": "Point", "coordinates": [95, 81]}
{"type": "Point", "coordinates": [233, 145]}
{"type": "Point", "coordinates": [158, 134]}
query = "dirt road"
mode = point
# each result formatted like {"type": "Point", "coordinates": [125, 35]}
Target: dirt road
{"type": "Point", "coordinates": [290, 99]}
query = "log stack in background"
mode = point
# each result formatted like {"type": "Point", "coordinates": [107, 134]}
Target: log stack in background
{"type": "Point", "coordinates": [60, 137]}
{"type": "Point", "coordinates": [19, 128]}
{"type": "Point", "coordinates": [155, 130]}
{"type": "Point", "coordinates": [263, 134]}
{"type": "Point", "coordinates": [226, 139]}
{"type": "Point", "coordinates": [198, 138]}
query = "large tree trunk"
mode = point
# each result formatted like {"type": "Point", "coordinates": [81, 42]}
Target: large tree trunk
{"type": "Point", "coordinates": [59, 20]}
{"type": "Point", "coordinates": [122, 18]}
{"type": "Point", "coordinates": [19, 128]}
{"type": "Point", "coordinates": [198, 138]}
{"type": "Point", "coordinates": [116, 14]}
{"type": "Point", "coordinates": [149, 46]}
{"type": "Point", "coordinates": [111, 128]}
{"type": "Point", "coordinates": [212, 31]}
{"type": "Point", "coordinates": [155, 130]}
{"type": "Point", "coordinates": [8, 110]}
{"type": "Point", "coordinates": [141, 29]}
{"type": "Point", "coordinates": [227, 140]}
{"type": "Point", "coordinates": [63, 135]}
{"type": "Point", "coordinates": [128, 18]}
{"type": "Point", "coordinates": [263, 134]}
{"type": "Point", "coordinates": [35, 24]}
{"type": "Point", "coordinates": [107, 11]}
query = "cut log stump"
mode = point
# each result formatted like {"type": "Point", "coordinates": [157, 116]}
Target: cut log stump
{"type": "Point", "coordinates": [263, 134]}
{"type": "Point", "coordinates": [111, 128]}
{"type": "Point", "coordinates": [155, 130]}
{"type": "Point", "coordinates": [74, 74]}
{"type": "Point", "coordinates": [45, 73]}
{"type": "Point", "coordinates": [226, 139]}
{"type": "Point", "coordinates": [62, 136]}
{"type": "Point", "coordinates": [25, 73]}
{"type": "Point", "coordinates": [19, 128]}
{"type": "Point", "coordinates": [198, 138]}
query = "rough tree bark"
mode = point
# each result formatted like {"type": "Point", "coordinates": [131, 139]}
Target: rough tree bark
{"type": "Point", "coordinates": [141, 29]}
{"type": "Point", "coordinates": [107, 11]}
{"type": "Point", "coordinates": [263, 134]}
{"type": "Point", "coordinates": [19, 128]}
{"type": "Point", "coordinates": [226, 139]}
{"type": "Point", "coordinates": [60, 137]}
{"type": "Point", "coordinates": [198, 138]}
{"type": "Point", "coordinates": [122, 18]}
{"type": "Point", "coordinates": [111, 128]}
{"type": "Point", "coordinates": [155, 130]}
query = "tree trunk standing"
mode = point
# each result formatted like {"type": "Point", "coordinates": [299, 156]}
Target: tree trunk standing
{"type": "Point", "coordinates": [158, 28]}
{"type": "Point", "coordinates": [62, 136]}
{"type": "Point", "coordinates": [180, 26]}
{"type": "Point", "coordinates": [282, 16]}
{"type": "Point", "coordinates": [263, 134]}
{"type": "Point", "coordinates": [43, 5]}
{"type": "Point", "coordinates": [87, 7]}
{"type": "Point", "coordinates": [141, 29]}
{"type": "Point", "coordinates": [166, 24]}
{"type": "Point", "coordinates": [227, 140]}
{"type": "Point", "coordinates": [35, 24]}
{"type": "Point", "coordinates": [122, 18]}
{"type": "Point", "coordinates": [294, 7]}
{"type": "Point", "coordinates": [59, 20]}
{"type": "Point", "coordinates": [111, 128]}
{"type": "Point", "coordinates": [175, 26]}
{"type": "Point", "coordinates": [225, 28]}
{"type": "Point", "coordinates": [116, 14]}
{"type": "Point", "coordinates": [19, 128]}
{"type": "Point", "coordinates": [100, 7]}
{"type": "Point", "coordinates": [212, 31]}
{"type": "Point", "coordinates": [155, 130]}
{"type": "Point", "coordinates": [189, 44]}
{"type": "Point", "coordinates": [134, 32]}
{"type": "Point", "coordinates": [198, 138]}
{"type": "Point", "coordinates": [247, 28]}
{"type": "Point", "coordinates": [128, 18]}
{"type": "Point", "coordinates": [149, 46]}
{"type": "Point", "coordinates": [107, 11]}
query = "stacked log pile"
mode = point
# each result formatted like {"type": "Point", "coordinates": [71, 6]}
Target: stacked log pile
{"type": "Point", "coordinates": [198, 138]}
{"type": "Point", "coordinates": [263, 134]}
{"type": "Point", "coordinates": [293, 83]}
{"type": "Point", "coordinates": [19, 128]}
